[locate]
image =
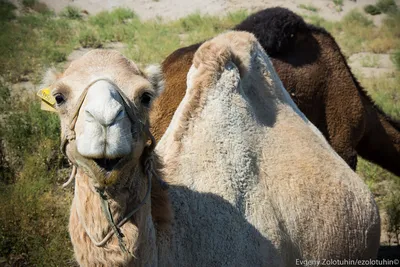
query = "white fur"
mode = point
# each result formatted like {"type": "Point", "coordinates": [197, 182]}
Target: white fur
{"type": "Point", "coordinates": [155, 76]}
{"type": "Point", "coordinates": [106, 129]}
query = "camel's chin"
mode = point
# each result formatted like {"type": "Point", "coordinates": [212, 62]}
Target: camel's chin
{"type": "Point", "coordinates": [104, 170]}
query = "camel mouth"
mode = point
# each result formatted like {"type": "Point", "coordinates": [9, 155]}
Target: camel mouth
{"type": "Point", "coordinates": [107, 164]}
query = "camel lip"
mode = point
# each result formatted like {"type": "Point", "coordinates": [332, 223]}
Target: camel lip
{"type": "Point", "coordinates": [107, 164]}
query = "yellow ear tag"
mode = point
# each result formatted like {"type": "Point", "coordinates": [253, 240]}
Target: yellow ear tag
{"type": "Point", "coordinates": [48, 100]}
{"type": "Point", "coordinates": [45, 106]}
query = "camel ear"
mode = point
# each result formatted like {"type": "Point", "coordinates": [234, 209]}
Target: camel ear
{"type": "Point", "coordinates": [154, 74]}
{"type": "Point", "coordinates": [50, 77]}
{"type": "Point", "coordinates": [47, 100]}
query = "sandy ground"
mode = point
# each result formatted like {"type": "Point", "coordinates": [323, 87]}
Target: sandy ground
{"type": "Point", "coordinates": [173, 9]}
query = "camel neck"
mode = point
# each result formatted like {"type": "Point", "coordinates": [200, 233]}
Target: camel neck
{"type": "Point", "coordinates": [87, 218]}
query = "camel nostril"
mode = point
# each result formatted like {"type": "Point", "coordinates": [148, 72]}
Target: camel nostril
{"type": "Point", "coordinates": [120, 115]}
{"type": "Point", "coordinates": [88, 116]}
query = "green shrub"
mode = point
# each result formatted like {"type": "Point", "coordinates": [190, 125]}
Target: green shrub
{"type": "Point", "coordinates": [372, 10]}
{"type": "Point", "coordinates": [57, 56]}
{"type": "Point", "coordinates": [6, 11]}
{"type": "Point", "coordinates": [29, 3]}
{"type": "Point", "coordinates": [90, 38]}
{"type": "Point", "coordinates": [386, 6]}
{"type": "Point", "coordinates": [392, 208]}
{"type": "Point", "coordinates": [396, 59]}
{"type": "Point", "coordinates": [116, 16]}
{"type": "Point", "coordinates": [71, 12]}
{"type": "Point", "coordinates": [355, 17]}
{"type": "Point", "coordinates": [7, 174]}
{"type": "Point", "coordinates": [5, 101]}
{"type": "Point", "coordinates": [338, 2]}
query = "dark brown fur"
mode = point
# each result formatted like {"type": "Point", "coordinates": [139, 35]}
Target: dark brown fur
{"type": "Point", "coordinates": [315, 73]}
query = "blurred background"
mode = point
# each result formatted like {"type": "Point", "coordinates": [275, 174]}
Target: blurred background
{"type": "Point", "coordinates": [39, 34]}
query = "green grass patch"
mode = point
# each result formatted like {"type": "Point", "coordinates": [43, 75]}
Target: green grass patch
{"type": "Point", "coordinates": [396, 59]}
{"type": "Point", "coordinates": [338, 4]}
{"type": "Point", "coordinates": [114, 17]}
{"type": "Point", "coordinates": [308, 7]}
{"type": "Point", "coordinates": [357, 33]}
{"type": "Point", "coordinates": [71, 12]}
{"type": "Point", "coordinates": [385, 92]}
{"type": "Point", "coordinates": [28, 122]}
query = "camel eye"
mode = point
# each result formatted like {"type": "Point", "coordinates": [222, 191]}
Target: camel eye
{"type": "Point", "coordinates": [59, 99]}
{"type": "Point", "coordinates": [145, 99]}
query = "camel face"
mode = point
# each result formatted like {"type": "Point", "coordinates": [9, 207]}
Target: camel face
{"type": "Point", "coordinates": [103, 101]}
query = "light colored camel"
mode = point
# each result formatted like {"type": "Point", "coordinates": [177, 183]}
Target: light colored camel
{"type": "Point", "coordinates": [239, 139]}
{"type": "Point", "coordinates": [252, 182]}
{"type": "Point", "coordinates": [106, 141]}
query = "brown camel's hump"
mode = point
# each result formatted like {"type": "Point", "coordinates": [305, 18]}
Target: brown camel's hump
{"type": "Point", "coordinates": [175, 68]}
{"type": "Point", "coordinates": [184, 53]}
{"type": "Point", "coordinates": [329, 39]}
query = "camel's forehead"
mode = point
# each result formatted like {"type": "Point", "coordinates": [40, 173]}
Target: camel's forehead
{"type": "Point", "coordinates": [111, 62]}
{"type": "Point", "coordinates": [102, 64]}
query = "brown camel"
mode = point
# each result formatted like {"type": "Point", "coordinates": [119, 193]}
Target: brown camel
{"type": "Point", "coordinates": [314, 71]}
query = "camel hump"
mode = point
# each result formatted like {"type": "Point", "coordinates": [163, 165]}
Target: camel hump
{"type": "Point", "coordinates": [275, 28]}
{"type": "Point", "coordinates": [237, 47]}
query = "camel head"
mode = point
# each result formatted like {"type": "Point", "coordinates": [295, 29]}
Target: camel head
{"type": "Point", "coordinates": [103, 102]}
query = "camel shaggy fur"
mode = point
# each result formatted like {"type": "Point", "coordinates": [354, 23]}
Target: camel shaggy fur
{"type": "Point", "coordinates": [247, 187]}
{"type": "Point", "coordinates": [314, 71]}
{"type": "Point", "coordinates": [260, 169]}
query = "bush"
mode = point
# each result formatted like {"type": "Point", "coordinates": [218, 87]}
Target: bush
{"type": "Point", "coordinates": [6, 11]}
{"type": "Point", "coordinates": [56, 56]}
{"type": "Point", "coordinates": [116, 16]}
{"type": "Point", "coordinates": [338, 2]}
{"type": "Point", "coordinates": [90, 38]}
{"type": "Point", "coordinates": [71, 12]}
{"type": "Point", "coordinates": [372, 10]}
{"type": "Point", "coordinates": [355, 17]}
{"type": "Point", "coordinates": [386, 6]}
{"type": "Point", "coordinates": [4, 98]}
{"type": "Point", "coordinates": [392, 208]}
{"type": "Point", "coordinates": [29, 3]}
{"type": "Point", "coordinates": [396, 59]}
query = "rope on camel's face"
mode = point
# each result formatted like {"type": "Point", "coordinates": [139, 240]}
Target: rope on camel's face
{"type": "Point", "coordinates": [90, 167]}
